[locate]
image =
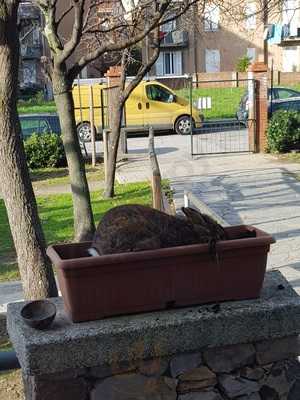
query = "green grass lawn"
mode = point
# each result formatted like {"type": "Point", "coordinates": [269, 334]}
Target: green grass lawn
{"type": "Point", "coordinates": [28, 107]}
{"type": "Point", "coordinates": [224, 100]}
{"type": "Point", "coordinates": [56, 215]}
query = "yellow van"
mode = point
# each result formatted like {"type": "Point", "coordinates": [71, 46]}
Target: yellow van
{"type": "Point", "coordinates": [150, 103]}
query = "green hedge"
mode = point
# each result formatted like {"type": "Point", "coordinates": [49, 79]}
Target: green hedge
{"type": "Point", "coordinates": [44, 151]}
{"type": "Point", "coordinates": [284, 132]}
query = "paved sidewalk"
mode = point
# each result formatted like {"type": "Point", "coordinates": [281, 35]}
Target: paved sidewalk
{"type": "Point", "coordinates": [243, 188]}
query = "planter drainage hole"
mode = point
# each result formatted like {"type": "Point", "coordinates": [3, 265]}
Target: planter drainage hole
{"type": "Point", "coordinates": [170, 304]}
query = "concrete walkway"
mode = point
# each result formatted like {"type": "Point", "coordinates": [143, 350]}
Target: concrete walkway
{"type": "Point", "coordinates": [243, 188]}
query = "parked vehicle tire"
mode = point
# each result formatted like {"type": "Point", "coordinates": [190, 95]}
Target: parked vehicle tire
{"type": "Point", "coordinates": [183, 125]}
{"type": "Point", "coordinates": [84, 131]}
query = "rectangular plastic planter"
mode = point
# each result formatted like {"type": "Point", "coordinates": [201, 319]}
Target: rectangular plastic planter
{"type": "Point", "coordinates": [102, 286]}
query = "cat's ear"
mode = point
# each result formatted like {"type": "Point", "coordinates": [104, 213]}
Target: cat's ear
{"type": "Point", "coordinates": [194, 216]}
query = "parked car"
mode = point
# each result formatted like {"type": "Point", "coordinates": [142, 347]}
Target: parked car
{"type": "Point", "coordinates": [292, 104]}
{"type": "Point", "coordinates": [276, 94]}
{"type": "Point", "coordinates": [39, 123]}
{"type": "Point", "coordinates": [150, 103]}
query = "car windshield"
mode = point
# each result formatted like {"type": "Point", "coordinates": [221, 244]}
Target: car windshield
{"type": "Point", "coordinates": [39, 124]}
{"type": "Point", "coordinates": [29, 126]}
{"type": "Point", "coordinates": [158, 93]}
{"type": "Point", "coordinates": [286, 93]}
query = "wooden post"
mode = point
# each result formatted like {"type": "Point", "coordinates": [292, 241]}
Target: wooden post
{"type": "Point", "coordinates": [157, 201]}
{"type": "Point", "coordinates": [105, 152]}
{"type": "Point", "coordinates": [92, 122]}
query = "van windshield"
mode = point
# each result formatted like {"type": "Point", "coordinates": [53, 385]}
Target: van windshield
{"type": "Point", "coordinates": [158, 93]}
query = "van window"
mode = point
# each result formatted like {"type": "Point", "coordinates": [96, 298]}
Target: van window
{"type": "Point", "coordinates": [158, 93]}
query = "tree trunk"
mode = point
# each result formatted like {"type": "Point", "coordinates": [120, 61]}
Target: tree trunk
{"type": "Point", "coordinates": [114, 138]}
{"type": "Point", "coordinates": [83, 216]}
{"type": "Point", "coordinates": [35, 268]}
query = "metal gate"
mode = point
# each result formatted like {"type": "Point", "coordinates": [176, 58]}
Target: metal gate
{"type": "Point", "coordinates": [228, 110]}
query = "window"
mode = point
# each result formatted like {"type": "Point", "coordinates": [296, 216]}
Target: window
{"type": "Point", "coordinates": [169, 26]}
{"type": "Point", "coordinates": [251, 16]}
{"type": "Point", "coordinates": [158, 93]}
{"type": "Point", "coordinates": [44, 126]}
{"type": "Point", "coordinates": [251, 53]}
{"type": "Point", "coordinates": [212, 60]}
{"type": "Point", "coordinates": [290, 16]}
{"type": "Point", "coordinates": [169, 63]}
{"type": "Point", "coordinates": [29, 72]}
{"type": "Point", "coordinates": [211, 18]}
{"type": "Point", "coordinates": [286, 93]}
{"type": "Point", "coordinates": [29, 126]}
{"type": "Point", "coordinates": [36, 36]}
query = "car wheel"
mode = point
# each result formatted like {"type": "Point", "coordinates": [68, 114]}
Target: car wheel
{"type": "Point", "coordinates": [84, 132]}
{"type": "Point", "coordinates": [183, 125]}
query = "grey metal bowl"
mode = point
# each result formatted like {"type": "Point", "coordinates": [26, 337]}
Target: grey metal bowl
{"type": "Point", "coordinates": [39, 314]}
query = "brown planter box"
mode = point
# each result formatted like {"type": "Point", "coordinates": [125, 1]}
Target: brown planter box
{"type": "Point", "coordinates": [96, 287]}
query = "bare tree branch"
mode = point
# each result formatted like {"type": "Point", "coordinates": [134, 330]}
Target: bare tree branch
{"type": "Point", "coordinates": [120, 45]}
{"type": "Point", "coordinates": [64, 14]}
{"type": "Point", "coordinates": [50, 30]}
{"type": "Point", "coordinates": [144, 69]}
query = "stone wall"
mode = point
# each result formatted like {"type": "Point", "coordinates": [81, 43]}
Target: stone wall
{"type": "Point", "coordinates": [266, 370]}
{"type": "Point", "coordinates": [241, 350]}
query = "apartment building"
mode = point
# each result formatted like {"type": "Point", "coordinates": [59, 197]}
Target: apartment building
{"type": "Point", "coordinates": [32, 47]}
{"type": "Point", "coordinates": [290, 40]}
{"type": "Point", "coordinates": [215, 40]}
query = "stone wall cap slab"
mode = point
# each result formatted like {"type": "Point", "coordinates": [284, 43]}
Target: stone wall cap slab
{"type": "Point", "coordinates": [128, 338]}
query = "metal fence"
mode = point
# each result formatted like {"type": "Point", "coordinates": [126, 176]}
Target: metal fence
{"type": "Point", "coordinates": [228, 116]}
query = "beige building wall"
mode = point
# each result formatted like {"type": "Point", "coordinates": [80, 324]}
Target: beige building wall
{"type": "Point", "coordinates": [234, 38]}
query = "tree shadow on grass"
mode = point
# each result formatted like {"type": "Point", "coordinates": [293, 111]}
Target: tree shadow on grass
{"type": "Point", "coordinates": [44, 174]}
{"type": "Point", "coordinates": [53, 173]}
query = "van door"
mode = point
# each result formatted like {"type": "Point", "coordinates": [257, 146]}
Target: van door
{"type": "Point", "coordinates": [133, 113]}
{"type": "Point", "coordinates": [159, 106]}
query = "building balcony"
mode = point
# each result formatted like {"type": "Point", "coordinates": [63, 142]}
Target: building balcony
{"type": "Point", "coordinates": [290, 41]}
{"type": "Point", "coordinates": [31, 52]}
{"type": "Point", "coordinates": [175, 39]}
{"type": "Point", "coordinates": [28, 11]}
{"type": "Point", "coordinates": [290, 38]}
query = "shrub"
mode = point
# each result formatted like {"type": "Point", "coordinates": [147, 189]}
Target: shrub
{"type": "Point", "coordinates": [44, 151]}
{"type": "Point", "coordinates": [243, 63]}
{"type": "Point", "coordinates": [284, 131]}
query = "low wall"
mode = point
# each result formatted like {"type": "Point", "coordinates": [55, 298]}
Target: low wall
{"type": "Point", "coordinates": [244, 350]}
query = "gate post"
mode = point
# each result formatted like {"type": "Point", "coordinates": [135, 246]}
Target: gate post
{"type": "Point", "coordinates": [257, 131]}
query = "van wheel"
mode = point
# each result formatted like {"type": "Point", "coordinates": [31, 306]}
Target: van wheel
{"type": "Point", "coordinates": [183, 125]}
{"type": "Point", "coordinates": [84, 132]}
